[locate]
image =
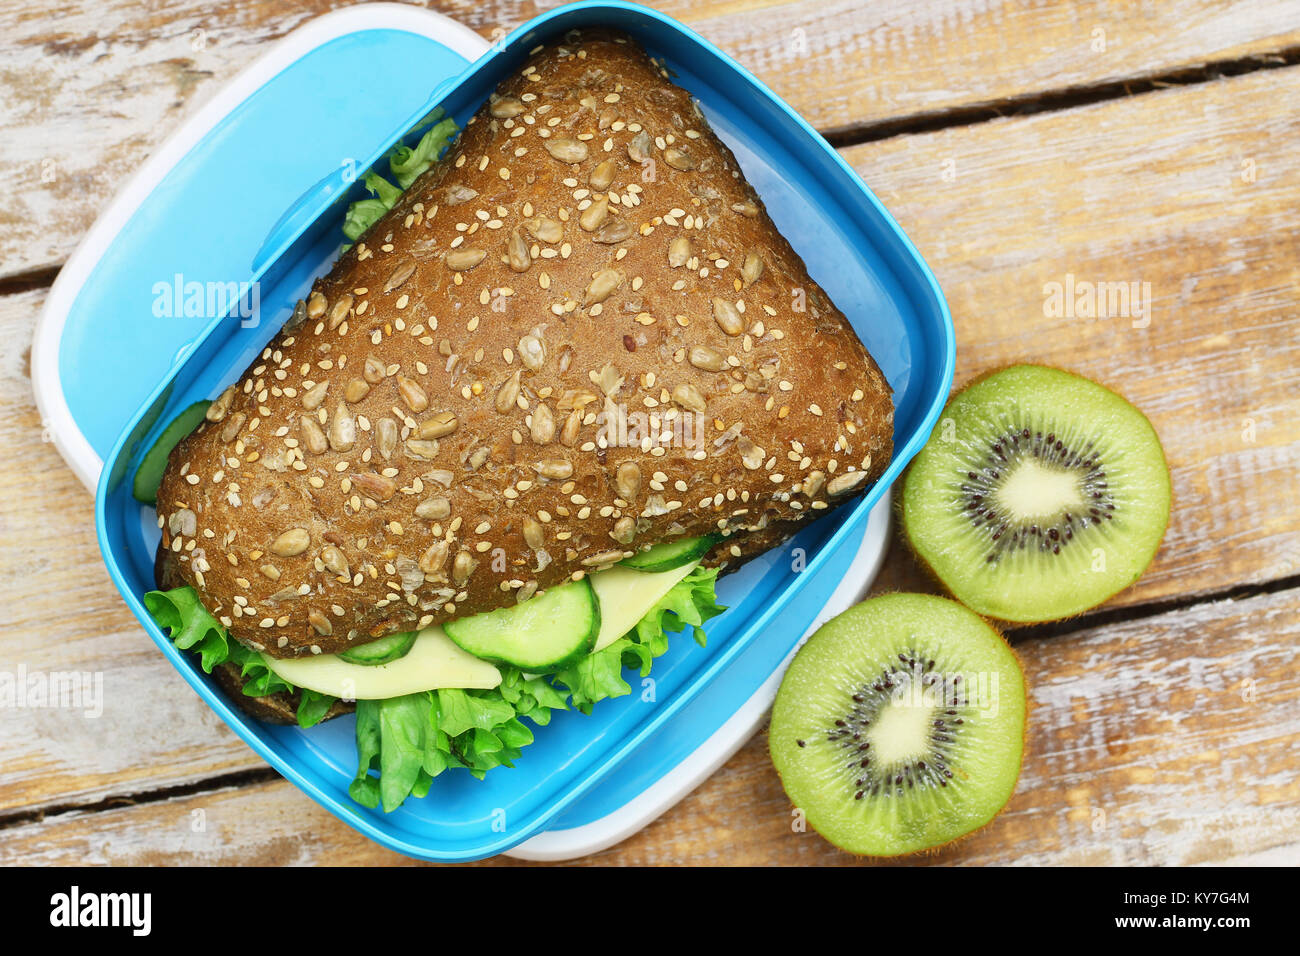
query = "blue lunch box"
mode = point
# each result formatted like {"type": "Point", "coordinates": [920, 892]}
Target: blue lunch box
{"type": "Point", "coordinates": [578, 768]}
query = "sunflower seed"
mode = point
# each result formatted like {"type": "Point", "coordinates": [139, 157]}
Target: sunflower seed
{"type": "Point", "coordinates": [340, 311]}
{"type": "Point", "coordinates": [751, 456]}
{"type": "Point", "coordinates": [284, 594]}
{"type": "Point", "coordinates": [627, 481]}
{"type": "Point", "coordinates": [424, 449]}
{"type": "Point", "coordinates": [614, 230]}
{"type": "Point", "coordinates": [602, 558]}
{"type": "Point", "coordinates": [343, 429]}
{"type": "Point", "coordinates": [374, 371]}
{"type": "Point", "coordinates": [462, 567]}
{"type": "Point", "coordinates": [566, 149]}
{"type": "Point", "coordinates": [638, 147]}
{"type": "Point", "coordinates": [602, 177]}
{"type": "Point", "coordinates": [434, 561]}
{"type": "Point", "coordinates": [459, 193]}
{"type": "Point", "coordinates": [534, 535]}
{"type": "Point", "coordinates": [748, 208]}
{"type": "Point", "coordinates": [356, 390]}
{"type": "Point", "coordinates": [689, 397]}
{"type": "Point", "coordinates": [312, 436]}
{"type": "Point", "coordinates": [335, 561]}
{"type": "Point", "coordinates": [517, 253]}
{"type": "Point", "coordinates": [504, 107]}
{"type": "Point", "coordinates": [679, 252]}
{"type": "Point", "coordinates": [184, 522]}
{"type": "Point", "coordinates": [624, 530]}
{"type": "Point", "coordinates": [569, 434]}
{"type": "Point", "coordinates": [594, 215]}
{"type": "Point", "coordinates": [298, 317]}
{"type": "Point", "coordinates": [678, 158]}
{"type": "Point", "coordinates": [609, 380]}
{"type": "Point", "coordinates": [727, 316]}
{"type": "Point", "coordinates": [463, 259]}
{"type": "Point", "coordinates": [544, 229]}
{"type": "Point", "coordinates": [813, 483]}
{"type": "Point", "coordinates": [752, 268]}
{"type": "Point", "coordinates": [707, 358]}
{"type": "Point", "coordinates": [217, 410]}
{"type": "Point", "coordinates": [846, 482]}
{"type": "Point", "coordinates": [312, 398]}
{"type": "Point", "coordinates": [557, 468]}
{"type": "Point", "coordinates": [542, 429]}
{"type": "Point", "coordinates": [233, 424]}
{"type": "Point", "coordinates": [435, 509]}
{"type": "Point", "coordinates": [412, 394]}
{"type": "Point", "coordinates": [386, 437]}
{"type": "Point", "coordinates": [602, 286]}
{"type": "Point", "coordinates": [316, 305]}
{"type": "Point", "coordinates": [374, 486]}
{"type": "Point", "coordinates": [526, 592]}
{"type": "Point", "coordinates": [292, 542]}
{"type": "Point", "coordinates": [320, 623]}
{"type": "Point", "coordinates": [508, 393]}
{"type": "Point", "coordinates": [405, 269]}
{"type": "Point", "coordinates": [532, 352]}
{"type": "Point", "coordinates": [439, 426]}
{"type": "Point", "coordinates": [478, 458]}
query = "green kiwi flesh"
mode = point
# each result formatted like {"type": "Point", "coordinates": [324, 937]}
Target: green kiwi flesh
{"type": "Point", "coordinates": [900, 725]}
{"type": "Point", "coordinates": [1039, 495]}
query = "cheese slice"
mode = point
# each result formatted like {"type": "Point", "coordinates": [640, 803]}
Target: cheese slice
{"type": "Point", "coordinates": [435, 661]}
{"type": "Point", "coordinates": [626, 596]}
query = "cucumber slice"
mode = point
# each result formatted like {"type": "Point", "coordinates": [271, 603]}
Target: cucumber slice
{"type": "Point", "coordinates": [149, 475]}
{"type": "Point", "coordinates": [671, 554]}
{"type": "Point", "coordinates": [544, 633]}
{"type": "Point", "coordinates": [383, 651]}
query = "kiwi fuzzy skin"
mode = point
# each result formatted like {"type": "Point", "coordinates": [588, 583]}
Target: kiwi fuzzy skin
{"type": "Point", "coordinates": [934, 576]}
{"type": "Point", "coordinates": [932, 851]}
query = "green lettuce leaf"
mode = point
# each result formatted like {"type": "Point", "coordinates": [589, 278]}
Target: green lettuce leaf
{"type": "Point", "coordinates": [405, 165]}
{"type": "Point", "coordinates": [191, 628]}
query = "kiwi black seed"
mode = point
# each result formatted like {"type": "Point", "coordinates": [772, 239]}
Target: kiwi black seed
{"type": "Point", "coordinates": [1039, 495]}
{"type": "Point", "coordinates": [900, 725]}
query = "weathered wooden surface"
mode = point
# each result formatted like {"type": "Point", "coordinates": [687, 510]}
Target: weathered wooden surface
{"type": "Point", "coordinates": [1192, 189]}
{"type": "Point", "coordinates": [1163, 741]}
{"type": "Point", "coordinates": [92, 87]}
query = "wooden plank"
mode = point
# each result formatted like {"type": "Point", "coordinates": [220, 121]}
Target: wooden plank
{"type": "Point", "coordinates": [95, 89]}
{"type": "Point", "coordinates": [1218, 350]}
{"type": "Point", "coordinates": [62, 614]}
{"type": "Point", "coordinates": [1189, 193]}
{"type": "Point", "coordinates": [1162, 741]}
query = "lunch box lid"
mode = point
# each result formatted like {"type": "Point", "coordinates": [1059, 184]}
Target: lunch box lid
{"type": "Point", "coordinates": [195, 212]}
{"type": "Point", "coordinates": [194, 216]}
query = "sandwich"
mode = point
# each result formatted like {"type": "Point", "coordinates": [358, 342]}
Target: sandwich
{"type": "Point", "coordinates": [567, 373]}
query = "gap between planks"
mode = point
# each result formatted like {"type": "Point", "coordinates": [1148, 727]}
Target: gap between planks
{"type": "Point", "coordinates": [1041, 101]}
{"type": "Point", "coordinates": [1051, 101]}
{"type": "Point", "coordinates": [257, 776]}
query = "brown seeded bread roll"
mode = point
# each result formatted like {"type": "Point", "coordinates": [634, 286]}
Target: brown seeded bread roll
{"type": "Point", "coordinates": [578, 335]}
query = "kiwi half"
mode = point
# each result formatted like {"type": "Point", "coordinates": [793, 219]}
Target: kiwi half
{"type": "Point", "coordinates": [1039, 495]}
{"type": "Point", "coordinates": [900, 725]}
